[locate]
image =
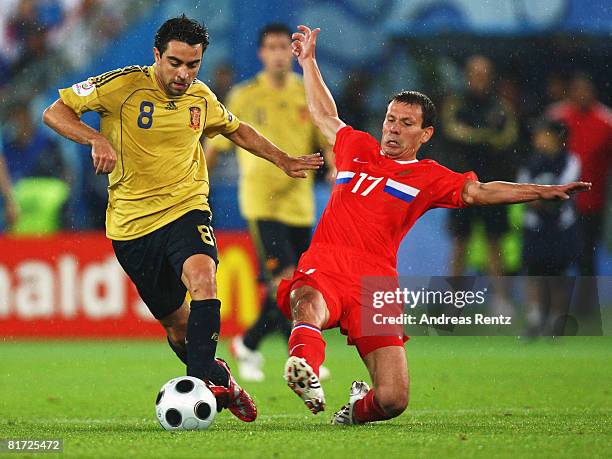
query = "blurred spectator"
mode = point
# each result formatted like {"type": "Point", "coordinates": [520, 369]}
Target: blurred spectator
{"type": "Point", "coordinates": [550, 234]}
{"type": "Point", "coordinates": [27, 56]}
{"type": "Point", "coordinates": [24, 26]}
{"type": "Point", "coordinates": [38, 172]}
{"type": "Point", "coordinates": [550, 239]}
{"type": "Point", "coordinates": [480, 129]}
{"type": "Point", "coordinates": [51, 12]}
{"type": "Point", "coordinates": [20, 25]}
{"type": "Point", "coordinates": [513, 94]}
{"type": "Point", "coordinates": [40, 40]}
{"type": "Point", "coordinates": [33, 39]}
{"type": "Point", "coordinates": [91, 25]}
{"type": "Point", "coordinates": [590, 136]}
{"type": "Point", "coordinates": [223, 80]}
{"type": "Point", "coordinates": [28, 149]}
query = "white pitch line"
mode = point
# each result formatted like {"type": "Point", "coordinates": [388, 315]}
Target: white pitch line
{"type": "Point", "coordinates": [466, 411]}
{"type": "Point", "coordinates": [128, 420]}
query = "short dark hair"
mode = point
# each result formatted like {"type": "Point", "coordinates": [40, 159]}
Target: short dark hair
{"type": "Point", "coordinates": [418, 98]}
{"type": "Point", "coordinates": [273, 28]}
{"type": "Point", "coordinates": [182, 29]}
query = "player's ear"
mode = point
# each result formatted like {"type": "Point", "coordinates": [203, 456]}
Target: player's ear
{"type": "Point", "coordinates": [427, 134]}
{"type": "Point", "coordinates": [156, 54]}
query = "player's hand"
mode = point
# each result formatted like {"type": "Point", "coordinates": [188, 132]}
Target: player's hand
{"type": "Point", "coordinates": [297, 167]}
{"type": "Point", "coordinates": [304, 43]}
{"type": "Point", "coordinates": [563, 192]}
{"type": "Point", "coordinates": [103, 155]}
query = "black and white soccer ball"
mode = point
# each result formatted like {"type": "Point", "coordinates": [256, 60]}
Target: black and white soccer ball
{"type": "Point", "coordinates": [185, 403]}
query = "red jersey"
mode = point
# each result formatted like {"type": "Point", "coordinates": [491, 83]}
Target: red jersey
{"type": "Point", "coordinates": [590, 137]}
{"type": "Point", "coordinates": [376, 200]}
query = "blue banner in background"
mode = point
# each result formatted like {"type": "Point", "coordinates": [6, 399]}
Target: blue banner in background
{"type": "Point", "coordinates": [356, 32]}
{"type": "Point", "coordinates": [499, 17]}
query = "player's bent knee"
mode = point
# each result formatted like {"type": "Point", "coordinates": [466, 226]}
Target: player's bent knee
{"type": "Point", "coordinates": [202, 284]}
{"type": "Point", "coordinates": [306, 308]}
{"type": "Point", "coordinates": [199, 276]}
{"type": "Point", "coordinates": [392, 400]}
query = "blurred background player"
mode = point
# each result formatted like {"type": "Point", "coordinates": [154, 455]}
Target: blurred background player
{"type": "Point", "coordinates": [589, 124]}
{"type": "Point", "coordinates": [550, 236]}
{"type": "Point", "coordinates": [480, 130]}
{"type": "Point", "coordinates": [222, 81]}
{"type": "Point", "coordinates": [280, 211]}
{"type": "Point", "coordinates": [158, 216]}
{"type": "Point", "coordinates": [40, 176]}
{"type": "Point", "coordinates": [381, 191]}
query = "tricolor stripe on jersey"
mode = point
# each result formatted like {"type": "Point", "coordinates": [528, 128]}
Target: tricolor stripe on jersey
{"type": "Point", "coordinates": [344, 177]}
{"type": "Point", "coordinates": [399, 190]}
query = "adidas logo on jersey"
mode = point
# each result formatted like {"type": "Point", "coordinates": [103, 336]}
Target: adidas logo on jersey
{"type": "Point", "coordinates": [171, 106]}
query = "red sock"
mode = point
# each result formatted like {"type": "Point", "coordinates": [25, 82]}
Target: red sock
{"type": "Point", "coordinates": [306, 342]}
{"type": "Point", "coordinates": [367, 409]}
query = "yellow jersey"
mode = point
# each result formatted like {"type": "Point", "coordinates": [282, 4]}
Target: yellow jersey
{"type": "Point", "coordinates": [281, 115]}
{"type": "Point", "coordinates": [161, 172]}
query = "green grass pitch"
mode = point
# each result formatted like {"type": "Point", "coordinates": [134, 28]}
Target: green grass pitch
{"type": "Point", "coordinates": [470, 397]}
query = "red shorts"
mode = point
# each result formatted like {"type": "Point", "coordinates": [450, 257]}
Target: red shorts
{"type": "Point", "coordinates": [339, 273]}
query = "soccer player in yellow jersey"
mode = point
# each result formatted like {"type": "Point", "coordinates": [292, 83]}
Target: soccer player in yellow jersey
{"type": "Point", "coordinates": [158, 216]}
{"type": "Point", "coordinates": [281, 214]}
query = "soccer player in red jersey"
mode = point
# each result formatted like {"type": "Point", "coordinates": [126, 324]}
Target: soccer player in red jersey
{"type": "Point", "coordinates": [381, 190]}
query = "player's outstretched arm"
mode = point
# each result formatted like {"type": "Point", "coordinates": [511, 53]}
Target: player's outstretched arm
{"type": "Point", "coordinates": [63, 120]}
{"type": "Point", "coordinates": [248, 138]}
{"type": "Point", "coordinates": [486, 194]}
{"type": "Point", "coordinates": [320, 100]}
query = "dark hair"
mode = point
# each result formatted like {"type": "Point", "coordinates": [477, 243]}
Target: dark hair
{"type": "Point", "coordinates": [418, 98]}
{"type": "Point", "coordinates": [274, 28]}
{"type": "Point", "coordinates": [182, 29]}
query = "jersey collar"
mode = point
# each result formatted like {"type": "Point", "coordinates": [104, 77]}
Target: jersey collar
{"type": "Point", "coordinates": [411, 161]}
